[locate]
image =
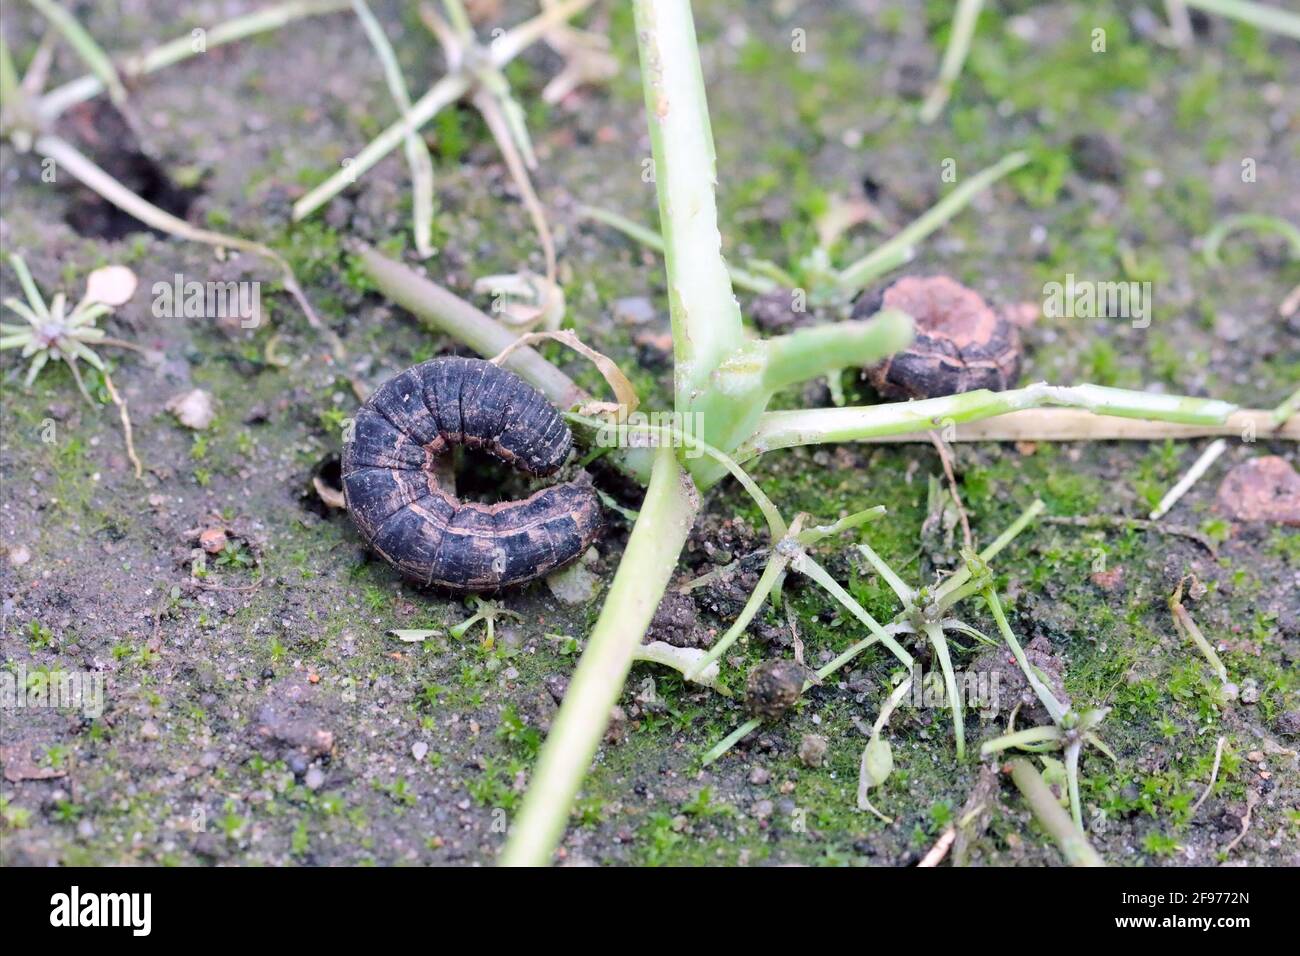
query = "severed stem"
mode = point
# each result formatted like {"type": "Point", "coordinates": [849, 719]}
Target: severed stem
{"type": "Point", "coordinates": [816, 426]}
{"type": "Point", "coordinates": [643, 574]}
{"type": "Point", "coordinates": [1078, 851]}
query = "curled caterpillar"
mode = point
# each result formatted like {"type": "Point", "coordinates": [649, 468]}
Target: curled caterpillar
{"type": "Point", "coordinates": [392, 491]}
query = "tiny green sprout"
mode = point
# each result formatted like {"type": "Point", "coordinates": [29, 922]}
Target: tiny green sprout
{"type": "Point", "coordinates": [488, 612]}
{"type": "Point", "coordinates": [56, 332]}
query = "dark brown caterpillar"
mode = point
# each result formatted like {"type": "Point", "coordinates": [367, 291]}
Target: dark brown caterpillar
{"type": "Point", "coordinates": [392, 490]}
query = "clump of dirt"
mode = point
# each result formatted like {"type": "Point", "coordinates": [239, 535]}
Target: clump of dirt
{"type": "Point", "coordinates": [677, 622]}
{"type": "Point", "coordinates": [1012, 688]}
{"type": "Point", "coordinates": [773, 687]}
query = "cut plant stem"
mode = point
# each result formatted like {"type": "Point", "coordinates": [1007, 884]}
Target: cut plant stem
{"type": "Point", "coordinates": [1273, 18]}
{"type": "Point", "coordinates": [814, 351]}
{"type": "Point", "coordinates": [1287, 410]}
{"type": "Point", "coordinates": [1078, 851]}
{"type": "Point", "coordinates": [448, 314]}
{"type": "Point", "coordinates": [1186, 626]}
{"type": "Point", "coordinates": [897, 250]}
{"type": "Point", "coordinates": [1069, 424]}
{"type": "Point", "coordinates": [642, 577]}
{"type": "Point", "coordinates": [705, 317]}
{"type": "Point", "coordinates": [963, 29]}
{"type": "Point", "coordinates": [820, 425]}
{"type": "Point", "coordinates": [1199, 468]}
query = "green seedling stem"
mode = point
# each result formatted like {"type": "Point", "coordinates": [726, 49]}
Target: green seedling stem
{"type": "Point", "coordinates": [642, 577]}
{"type": "Point", "coordinates": [963, 29]}
{"type": "Point", "coordinates": [1069, 837]}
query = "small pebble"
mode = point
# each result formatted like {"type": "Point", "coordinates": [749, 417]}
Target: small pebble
{"type": "Point", "coordinates": [812, 749]}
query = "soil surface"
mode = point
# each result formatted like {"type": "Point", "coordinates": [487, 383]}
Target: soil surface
{"type": "Point", "coordinates": [257, 708]}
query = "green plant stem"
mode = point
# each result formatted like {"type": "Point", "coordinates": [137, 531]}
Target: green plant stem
{"type": "Point", "coordinates": [1279, 21]}
{"type": "Point", "coordinates": [940, 645]}
{"type": "Point", "coordinates": [1072, 751]}
{"type": "Point", "coordinates": [442, 94]}
{"type": "Point", "coordinates": [729, 741]}
{"type": "Point", "coordinates": [1187, 626]}
{"type": "Point", "coordinates": [182, 48]}
{"type": "Point", "coordinates": [643, 574]}
{"type": "Point", "coordinates": [87, 48]}
{"type": "Point", "coordinates": [446, 313]}
{"type": "Point", "coordinates": [1078, 851]}
{"type": "Point", "coordinates": [776, 567]}
{"type": "Point", "coordinates": [963, 29]}
{"type": "Point", "coordinates": [1021, 738]}
{"type": "Point", "coordinates": [817, 426]}
{"type": "Point", "coordinates": [1072, 424]}
{"type": "Point", "coordinates": [740, 278]}
{"type": "Point", "coordinates": [705, 317]}
{"type": "Point", "coordinates": [1255, 221]}
{"type": "Point", "coordinates": [1288, 408]}
{"type": "Point", "coordinates": [1054, 707]}
{"type": "Point", "coordinates": [890, 254]}
{"type": "Point", "coordinates": [807, 566]}
{"type": "Point", "coordinates": [417, 153]}
{"type": "Point", "coordinates": [814, 351]}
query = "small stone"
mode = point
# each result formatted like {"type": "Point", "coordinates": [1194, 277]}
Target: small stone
{"type": "Point", "coordinates": [1250, 691]}
{"type": "Point", "coordinates": [1262, 489]}
{"type": "Point", "coordinates": [149, 730]}
{"type": "Point", "coordinates": [634, 310]}
{"type": "Point", "coordinates": [575, 584]}
{"type": "Point", "coordinates": [812, 749]}
{"type": "Point", "coordinates": [193, 409]}
{"type": "Point", "coordinates": [213, 540]}
{"type": "Point", "coordinates": [762, 809]}
{"type": "Point", "coordinates": [19, 555]}
{"type": "Point", "coordinates": [773, 687]}
{"type": "Point", "coordinates": [759, 776]}
{"type": "Point", "coordinates": [419, 749]}
{"type": "Point", "coordinates": [1108, 580]}
{"type": "Point", "coordinates": [314, 779]}
{"type": "Point", "coordinates": [1255, 756]}
{"type": "Point", "coordinates": [1097, 157]}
